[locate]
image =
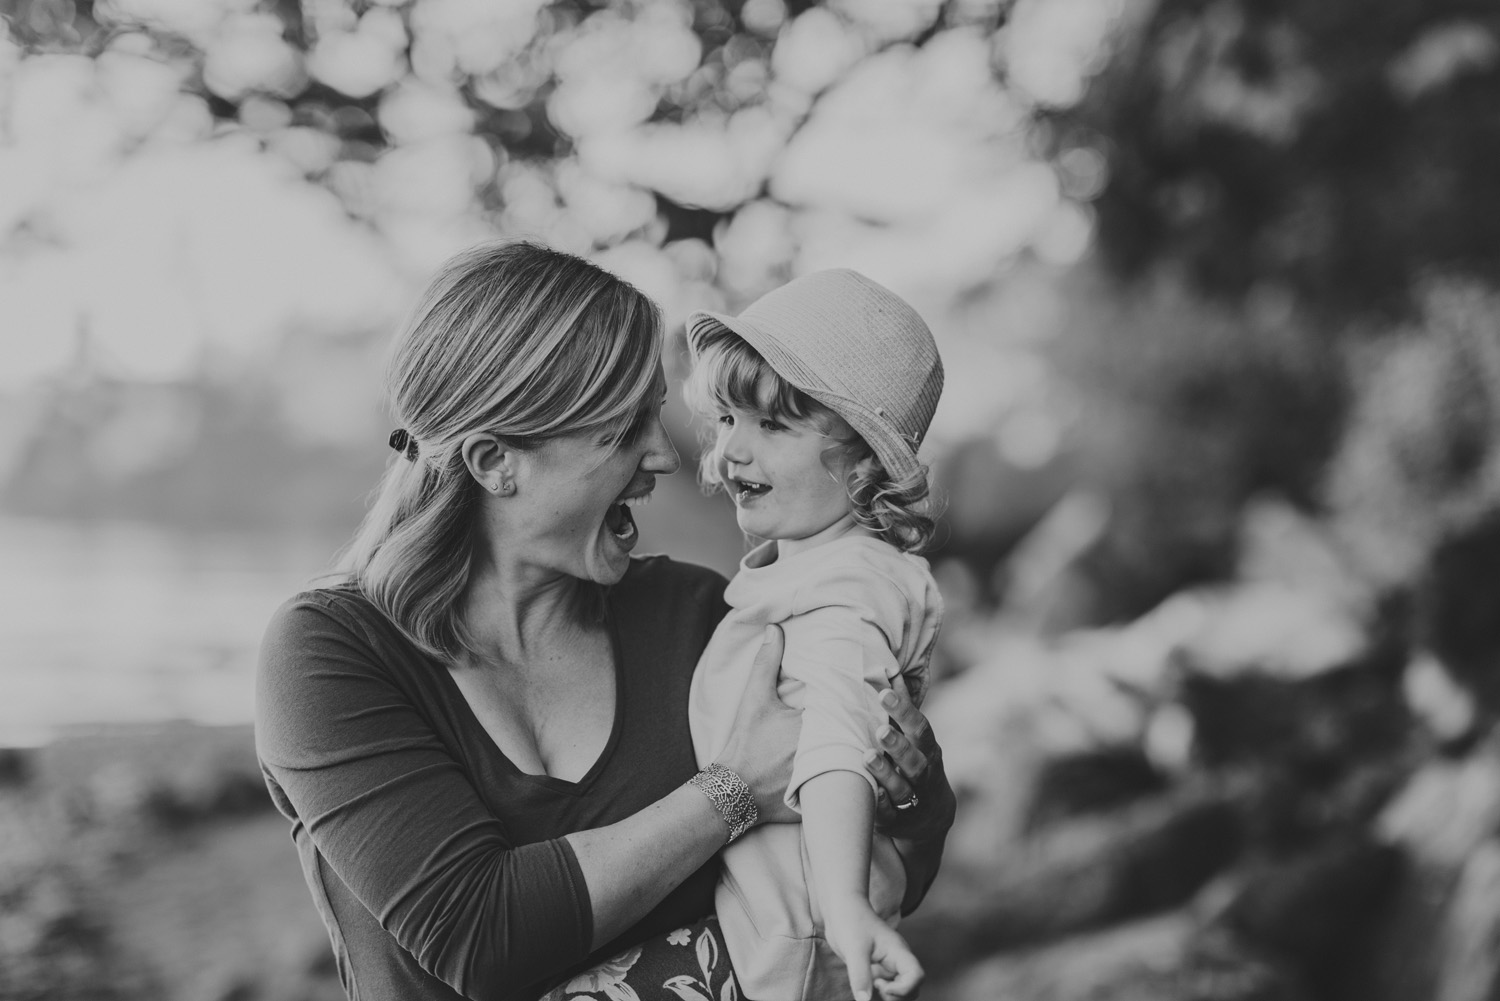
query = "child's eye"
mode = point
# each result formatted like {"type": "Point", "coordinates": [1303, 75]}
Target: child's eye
{"type": "Point", "coordinates": [767, 424]}
{"type": "Point", "coordinates": [725, 419]}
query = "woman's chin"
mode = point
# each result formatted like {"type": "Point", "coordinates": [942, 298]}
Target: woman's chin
{"type": "Point", "coordinates": [611, 556]}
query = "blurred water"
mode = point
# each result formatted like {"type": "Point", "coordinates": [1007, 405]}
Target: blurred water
{"type": "Point", "coordinates": [122, 622]}
{"type": "Point", "coordinates": [108, 622]}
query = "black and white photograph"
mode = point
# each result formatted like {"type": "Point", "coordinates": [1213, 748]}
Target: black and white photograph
{"type": "Point", "coordinates": [749, 500]}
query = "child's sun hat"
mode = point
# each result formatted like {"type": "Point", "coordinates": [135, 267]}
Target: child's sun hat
{"type": "Point", "coordinates": [854, 346]}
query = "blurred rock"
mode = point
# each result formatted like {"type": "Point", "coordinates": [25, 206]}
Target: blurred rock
{"type": "Point", "coordinates": [1043, 589]}
{"type": "Point", "coordinates": [1168, 740]}
{"type": "Point", "coordinates": [1469, 969]}
{"type": "Point", "coordinates": [1282, 545]}
{"type": "Point", "coordinates": [991, 504]}
{"type": "Point", "coordinates": [1314, 908]}
{"type": "Point", "coordinates": [1457, 598]}
{"type": "Point", "coordinates": [236, 989]}
{"type": "Point", "coordinates": [1447, 709]}
{"type": "Point", "coordinates": [1163, 959]}
{"type": "Point", "coordinates": [211, 793]}
{"type": "Point", "coordinates": [1090, 782]}
{"type": "Point", "coordinates": [53, 945]}
{"type": "Point", "coordinates": [1079, 874]}
{"type": "Point", "coordinates": [1318, 727]}
{"type": "Point", "coordinates": [1288, 632]}
{"type": "Point", "coordinates": [1026, 702]}
{"type": "Point", "coordinates": [113, 794]}
{"type": "Point", "coordinates": [15, 766]}
{"type": "Point", "coordinates": [1430, 934]}
{"type": "Point", "coordinates": [1414, 482]}
{"type": "Point", "coordinates": [114, 886]}
{"type": "Point", "coordinates": [1448, 808]}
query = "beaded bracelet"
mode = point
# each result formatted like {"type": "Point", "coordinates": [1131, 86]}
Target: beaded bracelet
{"type": "Point", "coordinates": [730, 796]}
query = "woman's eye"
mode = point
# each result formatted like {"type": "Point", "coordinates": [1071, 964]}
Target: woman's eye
{"type": "Point", "coordinates": [638, 427]}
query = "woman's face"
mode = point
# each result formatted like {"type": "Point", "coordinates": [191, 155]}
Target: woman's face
{"type": "Point", "coordinates": [573, 506]}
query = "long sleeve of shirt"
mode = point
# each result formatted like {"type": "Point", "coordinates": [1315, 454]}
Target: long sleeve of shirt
{"type": "Point", "coordinates": [351, 757]}
{"type": "Point", "coordinates": [440, 869]}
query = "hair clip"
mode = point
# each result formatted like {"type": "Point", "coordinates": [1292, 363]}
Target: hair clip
{"type": "Point", "coordinates": [403, 442]}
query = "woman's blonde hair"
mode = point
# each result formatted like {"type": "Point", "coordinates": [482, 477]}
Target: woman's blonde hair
{"type": "Point", "coordinates": [513, 339]}
{"type": "Point", "coordinates": [729, 373]}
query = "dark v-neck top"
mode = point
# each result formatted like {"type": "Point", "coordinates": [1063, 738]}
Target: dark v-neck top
{"type": "Point", "coordinates": [437, 865]}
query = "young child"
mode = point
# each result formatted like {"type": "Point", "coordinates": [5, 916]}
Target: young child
{"type": "Point", "coordinates": [822, 391]}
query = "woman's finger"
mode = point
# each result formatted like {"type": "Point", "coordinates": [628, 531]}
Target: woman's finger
{"type": "Point", "coordinates": [908, 717]}
{"type": "Point", "coordinates": [768, 657]}
{"type": "Point", "coordinates": [911, 762]}
{"type": "Point", "coordinates": [897, 788]}
{"type": "Point", "coordinates": [763, 737]}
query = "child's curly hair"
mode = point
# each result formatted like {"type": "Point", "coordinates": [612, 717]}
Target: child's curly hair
{"type": "Point", "coordinates": [729, 373]}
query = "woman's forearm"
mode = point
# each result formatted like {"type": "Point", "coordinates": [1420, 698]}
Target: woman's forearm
{"type": "Point", "coordinates": [920, 859]}
{"type": "Point", "coordinates": [631, 865]}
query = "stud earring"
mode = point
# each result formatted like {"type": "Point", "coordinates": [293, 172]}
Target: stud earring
{"type": "Point", "coordinates": [505, 488]}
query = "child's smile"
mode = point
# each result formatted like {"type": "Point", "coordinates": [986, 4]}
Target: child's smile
{"type": "Point", "coordinates": [774, 472]}
{"type": "Point", "coordinates": [746, 491]}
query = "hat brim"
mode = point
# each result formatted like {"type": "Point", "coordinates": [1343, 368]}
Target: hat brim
{"type": "Point", "coordinates": [895, 453]}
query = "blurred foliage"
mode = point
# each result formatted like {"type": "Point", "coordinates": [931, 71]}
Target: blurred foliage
{"type": "Point", "coordinates": [1295, 294]}
{"type": "Point", "coordinates": [1188, 411]}
{"type": "Point", "coordinates": [1266, 177]}
{"type": "Point", "coordinates": [705, 150]}
{"type": "Point", "coordinates": [1416, 486]}
{"type": "Point", "coordinates": [1301, 207]}
{"type": "Point", "coordinates": [1421, 460]}
{"type": "Point", "coordinates": [1336, 151]}
{"type": "Point", "coordinates": [248, 476]}
{"type": "Point", "coordinates": [507, 92]}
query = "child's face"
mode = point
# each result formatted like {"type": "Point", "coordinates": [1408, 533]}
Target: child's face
{"type": "Point", "coordinates": [773, 470]}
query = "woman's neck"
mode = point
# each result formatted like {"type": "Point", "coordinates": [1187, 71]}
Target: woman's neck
{"type": "Point", "coordinates": [515, 614]}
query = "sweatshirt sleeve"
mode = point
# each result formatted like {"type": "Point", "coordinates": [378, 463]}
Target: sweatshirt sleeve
{"type": "Point", "coordinates": [397, 819]}
{"type": "Point", "coordinates": [840, 646]}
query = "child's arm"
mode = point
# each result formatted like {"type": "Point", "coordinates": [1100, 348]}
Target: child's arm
{"type": "Point", "coordinates": [841, 650]}
{"type": "Point", "coordinates": [838, 810]}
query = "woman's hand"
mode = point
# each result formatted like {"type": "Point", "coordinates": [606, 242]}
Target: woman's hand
{"type": "Point", "coordinates": [764, 735]}
{"type": "Point", "coordinates": [909, 771]}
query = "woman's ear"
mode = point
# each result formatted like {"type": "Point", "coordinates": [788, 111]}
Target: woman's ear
{"type": "Point", "coordinates": [491, 461]}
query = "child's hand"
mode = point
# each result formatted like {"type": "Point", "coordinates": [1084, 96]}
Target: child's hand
{"type": "Point", "coordinates": [876, 955]}
{"type": "Point", "coordinates": [896, 970]}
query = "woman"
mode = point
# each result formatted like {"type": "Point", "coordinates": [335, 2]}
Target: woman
{"type": "Point", "coordinates": [480, 736]}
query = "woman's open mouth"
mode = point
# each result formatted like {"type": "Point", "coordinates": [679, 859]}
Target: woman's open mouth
{"type": "Point", "coordinates": [619, 520]}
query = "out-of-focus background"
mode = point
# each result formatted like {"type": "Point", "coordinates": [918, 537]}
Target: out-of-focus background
{"type": "Point", "coordinates": [1217, 283]}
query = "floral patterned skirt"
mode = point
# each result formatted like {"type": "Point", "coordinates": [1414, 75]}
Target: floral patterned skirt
{"type": "Point", "coordinates": [688, 964]}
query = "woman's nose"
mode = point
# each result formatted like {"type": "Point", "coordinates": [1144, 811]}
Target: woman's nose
{"type": "Point", "coordinates": [661, 456]}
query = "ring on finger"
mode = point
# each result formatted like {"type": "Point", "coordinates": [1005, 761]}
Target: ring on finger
{"type": "Point", "coordinates": [908, 804]}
